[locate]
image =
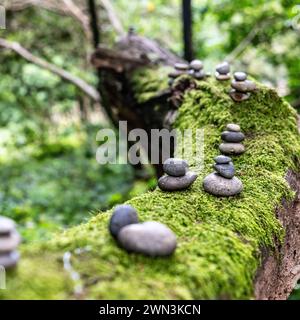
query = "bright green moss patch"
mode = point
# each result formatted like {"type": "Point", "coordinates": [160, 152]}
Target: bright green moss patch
{"type": "Point", "coordinates": [219, 239]}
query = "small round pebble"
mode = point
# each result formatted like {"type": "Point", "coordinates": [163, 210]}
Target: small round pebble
{"type": "Point", "coordinates": [232, 148]}
{"type": "Point", "coordinates": [6, 225]}
{"type": "Point", "coordinates": [168, 183]}
{"type": "Point", "coordinates": [196, 64]}
{"type": "Point", "coordinates": [231, 136]}
{"type": "Point", "coordinates": [199, 75]}
{"type": "Point", "coordinates": [222, 77]}
{"type": "Point", "coordinates": [9, 260]}
{"type": "Point", "coordinates": [223, 68]}
{"type": "Point", "coordinates": [233, 127]}
{"type": "Point", "coordinates": [240, 86]}
{"type": "Point", "coordinates": [175, 167]}
{"type": "Point", "coordinates": [219, 186]}
{"type": "Point", "coordinates": [122, 216]}
{"type": "Point", "coordinates": [225, 170]}
{"type": "Point", "coordinates": [222, 159]}
{"type": "Point", "coordinates": [10, 242]}
{"type": "Point", "coordinates": [181, 66]}
{"type": "Point", "coordinates": [149, 238]}
{"type": "Point", "coordinates": [240, 76]}
{"type": "Point", "coordinates": [174, 74]}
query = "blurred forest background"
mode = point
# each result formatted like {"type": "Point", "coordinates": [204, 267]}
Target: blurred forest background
{"type": "Point", "coordinates": [49, 175]}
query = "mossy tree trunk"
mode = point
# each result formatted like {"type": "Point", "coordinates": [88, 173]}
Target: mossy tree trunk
{"type": "Point", "coordinates": [237, 248]}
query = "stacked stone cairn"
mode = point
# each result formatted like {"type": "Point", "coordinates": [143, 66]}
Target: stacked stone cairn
{"type": "Point", "coordinates": [196, 69]}
{"type": "Point", "coordinates": [9, 241]}
{"type": "Point", "coordinates": [222, 182]}
{"type": "Point", "coordinates": [149, 238]}
{"type": "Point", "coordinates": [223, 71]}
{"type": "Point", "coordinates": [177, 177]}
{"type": "Point", "coordinates": [232, 138]}
{"type": "Point", "coordinates": [241, 87]}
{"type": "Point", "coordinates": [179, 69]}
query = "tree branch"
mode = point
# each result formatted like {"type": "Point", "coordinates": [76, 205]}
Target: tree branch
{"type": "Point", "coordinates": [79, 83]}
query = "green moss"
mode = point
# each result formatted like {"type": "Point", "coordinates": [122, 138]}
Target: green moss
{"type": "Point", "coordinates": [219, 239]}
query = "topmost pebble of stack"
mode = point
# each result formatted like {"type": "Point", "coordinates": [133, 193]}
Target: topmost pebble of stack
{"type": "Point", "coordinates": [240, 76]}
{"type": "Point", "coordinates": [196, 64]}
{"type": "Point", "coordinates": [181, 66]}
{"type": "Point", "coordinates": [223, 68]}
{"type": "Point", "coordinates": [6, 225]}
{"type": "Point", "coordinates": [233, 127]}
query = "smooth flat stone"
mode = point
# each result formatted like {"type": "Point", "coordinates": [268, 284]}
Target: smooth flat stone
{"type": "Point", "coordinates": [231, 136]}
{"type": "Point", "coordinates": [233, 127]}
{"type": "Point", "coordinates": [9, 242]}
{"type": "Point", "coordinates": [168, 183]}
{"type": "Point", "coordinates": [122, 216]}
{"type": "Point", "coordinates": [175, 167]}
{"type": "Point", "coordinates": [174, 74]}
{"type": "Point", "coordinates": [222, 77]}
{"type": "Point", "coordinates": [9, 260]}
{"type": "Point", "coordinates": [243, 86]}
{"type": "Point", "coordinates": [219, 186]}
{"type": "Point", "coordinates": [199, 75]}
{"type": "Point", "coordinates": [239, 96]}
{"type": "Point", "coordinates": [196, 64]}
{"type": "Point", "coordinates": [231, 148]}
{"type": "Point", "coordinates": [223, 68]}
{"type": "Point", "coordinates": [240, 76]}
{"type": "Point", "coordinates": [225, 170]}
{"type": "Point", "coordinates": [6, 225]}
{"type": "Point", "coordinates": [181, 66]}
{"type": "Point", "coordinates": [222, 159]}
{"type": "Point", "coordinates": [149, 238]}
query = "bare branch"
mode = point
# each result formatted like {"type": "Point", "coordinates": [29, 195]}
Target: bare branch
{"type": "Point", "coordinates": [113, 18]}
{"type": "Point", "coordinates": [79, 83]}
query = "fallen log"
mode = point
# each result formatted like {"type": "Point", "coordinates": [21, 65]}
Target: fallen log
{"type": "Point", "coordinates": [228, 248]}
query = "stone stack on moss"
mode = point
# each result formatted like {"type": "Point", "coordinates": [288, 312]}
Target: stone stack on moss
{"type": "Point", "coordinates": [223, 183]}
{"type": "Point", "coordinates": [232, 138]}
{"type": "Point", "coordinates": [9, 241]}
{"type": "Point", "coordinates": [149, 238]}
{"type": "Point", "coordinates": [177, 175]}
{"type": "Point", "coordinates": [223, 71]}
{"type": "Point", "coordinates": [196, 69]}
{"type": "Point", "coordinates": [241, 87]}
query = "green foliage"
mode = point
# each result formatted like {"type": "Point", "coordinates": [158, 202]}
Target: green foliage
{"type": "Point", "coordinates": [218, 238]}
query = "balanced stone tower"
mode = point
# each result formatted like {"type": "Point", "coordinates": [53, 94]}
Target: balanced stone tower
{"type": "Point", "coordinates": [223, 71]}
{"type": "Point", "coordinates": [9, 241]}
{"type": "Point", "coordinates": [241, 87]}
{"type": "Point", "coordinates": [196, 69]}
{"type": "Point", "coordinates": [177, 175]}
{"type": "Point", "coordinates": [232, 138]}
{"type": "Point", "coordinates": [222, 182]}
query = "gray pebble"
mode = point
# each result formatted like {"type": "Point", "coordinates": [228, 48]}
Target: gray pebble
{"type": "Point", "coordinates": [149, 238]}
{"type": "Point", "coordinates": [181, 66]}
{"type": "Point", "coordinates": [222, 77]}
{"type": "Point", "coordinates": [239, 96]}
{"type": "Point", "coordinates": [240, 76]}
{"type": "Point", "coordinates": [175, 167]}
{"type": "Point", "coordinates": [9, 242]}
{"type": "Point", "coordinates": [225, 170]}
{"type": "Point", "coordinates": [219, 186]}
{"type": "Point", "coordinates": [222, 159]}
{"type": "Point", "coordinates": [196, 65]}
{"type": "Point", "coordinates": [199, 75]}
{"type": "Point", "coordinates": [174, 74]}
{"type": "Point", "coordinates": [240, 86]}
{"type": "Point", "coordinates": [9, 260]}
{"type": "Point", "coordinates": [233, 127]}
{"type": "Point", "coordinates": [223, 68]}
{"type": "Point", "coordinates": [122, 216]}
{"type": "Point", "coordinates": [231, 136]}
{"type": "Point", "coordinates": [6, 225]}
{"type": "Point", "coordinates": [232, 148]}
{"type": "Point", "coordinates": [168, 183]}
